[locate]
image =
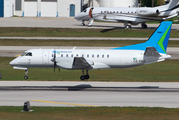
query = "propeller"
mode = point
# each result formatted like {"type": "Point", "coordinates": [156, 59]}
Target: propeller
{"type": "Point", "coordinates": [54, 60]}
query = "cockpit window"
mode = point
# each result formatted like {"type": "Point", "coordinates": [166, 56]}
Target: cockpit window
{"type": "Point", "coordinates": [85, 10]}
{"type": "Point", "coordinates": [29, 54]}
{"type": "Point", "coordinates": [23, 54]}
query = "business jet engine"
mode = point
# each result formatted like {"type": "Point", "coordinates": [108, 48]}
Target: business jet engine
{"type": "Point", "coordinates": [147, 11]}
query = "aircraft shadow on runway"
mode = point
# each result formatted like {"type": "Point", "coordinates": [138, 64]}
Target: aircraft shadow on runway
{"type": "Point", "coordinates": [88, 87]}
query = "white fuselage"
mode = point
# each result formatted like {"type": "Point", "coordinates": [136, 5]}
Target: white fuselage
{"type": "Point", "coordinates": [133, 16]}
{"type": "Point", "coordinates": [98, 59]}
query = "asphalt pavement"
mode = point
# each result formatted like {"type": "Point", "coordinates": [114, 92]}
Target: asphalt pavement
{"type": "Point", "coordinates": [65, 22]}
{"type": "Point", "coordinates": [60, 93]}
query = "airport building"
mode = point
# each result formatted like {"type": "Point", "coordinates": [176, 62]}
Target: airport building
{"type": "Point", "coordinates": [56, 8]}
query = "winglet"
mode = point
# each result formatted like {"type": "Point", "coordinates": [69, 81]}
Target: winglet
{"type": "Point", "coordinates": [158, 40]}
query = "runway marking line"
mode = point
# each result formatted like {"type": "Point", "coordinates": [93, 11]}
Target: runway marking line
{"type": "Point", "coordinates": [64, 103]}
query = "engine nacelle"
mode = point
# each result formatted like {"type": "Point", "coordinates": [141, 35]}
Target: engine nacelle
{"type": "Point", "coordinates": [147, 11]}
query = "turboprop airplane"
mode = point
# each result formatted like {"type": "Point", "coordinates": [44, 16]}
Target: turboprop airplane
{"type": "Point", "coordinates": [129, 16]}
{"type": "Point", "coordinates": [153, 50]}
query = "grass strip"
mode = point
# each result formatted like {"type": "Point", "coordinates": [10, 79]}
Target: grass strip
{"type": "Point", "coordinates": [105, 43]}
{"type": "Point", "coordinates": [71, 32]}
{"type": "Point", "coordinates": [89, 113]}
{"type": "Point", "coordinates": [166, 71]}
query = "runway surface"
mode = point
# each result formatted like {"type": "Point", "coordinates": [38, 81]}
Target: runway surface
{"type": "Point", "coordinates": [39, 93]}
{"type": "Point", "coordinates": [12, 51]}
{"type": "Point", "coordinates": [62, 22]}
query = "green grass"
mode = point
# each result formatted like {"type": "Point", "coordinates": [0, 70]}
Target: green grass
{"type": "Point", "coordinates": [89, 113]}
{"type": "Point", "coordinates": [69, 32]}
{"type": "Point", "coordinates": [105, 43]}
{"type": "Point", "coordinates": [166, 71]}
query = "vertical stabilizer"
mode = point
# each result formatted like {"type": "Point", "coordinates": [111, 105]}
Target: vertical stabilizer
{"type": "Point", "coordinates": [172, 4]}
{"type": "Point", "coordinates": [159, 39]}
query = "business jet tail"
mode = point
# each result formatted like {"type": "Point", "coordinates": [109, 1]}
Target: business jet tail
{"type": "Point", "coordinates": [159, 40]}
{"type": "Point", "coordinates": [171, 5]}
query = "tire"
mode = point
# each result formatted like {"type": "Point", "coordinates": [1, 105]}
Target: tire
{"type": "Point", "coordinates": [25, 77]}
{"type": "Point", "coordinates": [82, 77]}
{"type": "Point", "coordinates": [87, 77]}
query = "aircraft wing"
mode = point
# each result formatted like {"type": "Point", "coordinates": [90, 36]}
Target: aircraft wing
{"type": "Point", "coordinates": [80, 61]}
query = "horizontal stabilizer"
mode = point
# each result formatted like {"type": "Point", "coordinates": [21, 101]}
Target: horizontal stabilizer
{"type": "Point", "coordinates": [151, 51]}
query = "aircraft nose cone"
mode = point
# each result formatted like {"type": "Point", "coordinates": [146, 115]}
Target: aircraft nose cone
{"type": "Point", "coordinates": [78, 17]}
{"type": "Point", "coordinates": [12, 63]}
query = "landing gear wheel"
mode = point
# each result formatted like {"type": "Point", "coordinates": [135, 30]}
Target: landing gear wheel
{"type": "Point", "coordinates": [128, 27]}
{"type": "Point", "coordinates": [82, 24]}
{"type": "Point", "coordinates": [26, 74]}
{"type": "Point", "coordinates": [86, 77]}
{"type": "Point", "coordinates": [82, 77]}
{"type": "Point", "coordinates": [25, 77]}
{"type": "Point", "coordinates": [144, 25]}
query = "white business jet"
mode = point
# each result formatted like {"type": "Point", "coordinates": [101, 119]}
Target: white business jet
{"type": "Point", "coordinates": [129, 16]}
{"type": "Point", "coordinates": [154, 50]}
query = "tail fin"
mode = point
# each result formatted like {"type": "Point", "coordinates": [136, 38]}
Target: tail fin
{"type": "Point", "coordinates": [171, 4]}
{"type": "Point", "coordinates": [159, 39]}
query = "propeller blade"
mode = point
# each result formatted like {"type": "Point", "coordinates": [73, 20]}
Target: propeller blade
{"type": "Point", "coordinates": [54, 59]}
{"type": "Point", "coordinates": [54, 66]}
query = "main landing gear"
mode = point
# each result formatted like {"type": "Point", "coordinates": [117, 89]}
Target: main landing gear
{"type": "Point", "coordinates": [83, 77]}
{"type": "Point", "coordinates": [26, 76]}
{"type": "Point", "coordinates": [127, 26]}
{"type": "Point", "coordinates": [83, 23]}
{"type": "Point", "coordinates": [144, 25]}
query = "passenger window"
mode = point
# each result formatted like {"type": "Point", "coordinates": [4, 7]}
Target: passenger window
{"type": "Point", "coordinates": [92, 56]}
{"type": "Point", "coordinates": [87, 55]}
{"type": "Point", "coordinates": [61, 55]}
{"type": "Point", "coordinates": [71, 55]}
{"type": "Point", "coordinates": [76, 55]}
{"type": "Point", "coordinates": [82, 55]}
{"type": "Point", "coordinates": [102, 56]}
{"type": "Point", "coordinates": [66, 55]}
{"type": "Point", "coordinates": [97, 56]}
{"type": "Point", "coordinates": [107, 56]}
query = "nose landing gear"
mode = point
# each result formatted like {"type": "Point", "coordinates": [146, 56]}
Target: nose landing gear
{"type": "Point", "coordinates": [26, 75]}
{"type": "Point", "coordinates": [83, 77]}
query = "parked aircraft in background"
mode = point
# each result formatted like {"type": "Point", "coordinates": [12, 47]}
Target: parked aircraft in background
{"type": "Point", "coordinates": [129, 16]}
{"type": "Point", "coordinates": [154, 50]}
